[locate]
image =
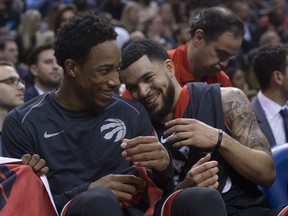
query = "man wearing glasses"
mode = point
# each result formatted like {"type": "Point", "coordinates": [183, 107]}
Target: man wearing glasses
{"type": "Point", "coordinates": [11, 91]}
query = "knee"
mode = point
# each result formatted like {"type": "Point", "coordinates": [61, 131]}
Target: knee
{"type": "Point", "coordinates": [94, 200]}
{"type": "Point", "coordinates": [198, 196]}
{"type": "Point", "coordinates": [101, 196]}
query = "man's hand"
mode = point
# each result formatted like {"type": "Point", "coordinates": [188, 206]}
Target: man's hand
{"type": "Point", "coordinates": [37, 164]}
{"type": "Point", "coordinates": [124, 187]}
{"type": "Point", "coordinates": [146, 151]}
{"type": "Point", "coordinates": [202, 174]}
{"type": "Point", "coordinates": [191, 132]}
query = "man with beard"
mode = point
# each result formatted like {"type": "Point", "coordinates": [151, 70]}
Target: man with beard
{"type": "Point", "coordinates": [216, 36]}
{"type": "Point", "coordinates": [45, 70]}
{"type": "Point", "coordinates": [212, 132]}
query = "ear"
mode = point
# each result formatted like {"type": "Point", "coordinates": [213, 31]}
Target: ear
{"type": "Point", "coordinates": [71, 67]}
{"type": "Point", "coordinates": [277, 77]}
{"type": "Point", "coordinates": [170, 68]}
{"type": "Point", "coordinates": [199, 37]}
{"type": "Point", "coordinates": [33, 70]}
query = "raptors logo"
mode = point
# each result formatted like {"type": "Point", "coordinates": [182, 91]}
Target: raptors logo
{"type": "Point", "coordinates": [7, 179]}
{"type": "Point", "coordinates": [114, 129]}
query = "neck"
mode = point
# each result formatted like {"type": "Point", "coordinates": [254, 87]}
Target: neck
{"type": "Point", "coordinates": [43, 87]}
{"type": "Point", "coordinates": [71, 102]}
{"type": "Point", "coordinates": [276, 95]}
{"type": "Point", "coordinates": [3, 114]}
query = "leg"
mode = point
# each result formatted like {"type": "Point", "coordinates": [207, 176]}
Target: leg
{"type": "Point", "coordinates": [192, 201]}
{"type": "Point", "coordinates": [99, 201]}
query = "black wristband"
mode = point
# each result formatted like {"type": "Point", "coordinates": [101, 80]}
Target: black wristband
{"type": "Point", "coordinates": [219, 141]}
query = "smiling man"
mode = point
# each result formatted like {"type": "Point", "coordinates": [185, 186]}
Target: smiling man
{"type": "Point", "coordinates": [78, 129]}
{"type": "Point", "coordinates": [211, 132]}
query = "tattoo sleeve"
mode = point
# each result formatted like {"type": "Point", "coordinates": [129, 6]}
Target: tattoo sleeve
{"type": "Point", "coordinates": [244, 126]}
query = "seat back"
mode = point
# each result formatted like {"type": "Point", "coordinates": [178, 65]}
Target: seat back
{"type": "Point", "coordinates": [277, 194]}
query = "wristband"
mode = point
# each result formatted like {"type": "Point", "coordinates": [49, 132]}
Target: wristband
{"type": "Point", "coordinates": [219, 141]}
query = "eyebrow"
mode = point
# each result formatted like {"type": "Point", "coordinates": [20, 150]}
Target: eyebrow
{"type": "Point", "coordinates": [146, 74]}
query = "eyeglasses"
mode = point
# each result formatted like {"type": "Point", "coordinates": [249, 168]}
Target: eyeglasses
{"type": "Point", "coordinates": [12, 81]}
{"type": "Point", "coordinates": [223, 55]}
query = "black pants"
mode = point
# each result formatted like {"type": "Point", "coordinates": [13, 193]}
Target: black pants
{"type": "Point", "coordinates": [191, 202]}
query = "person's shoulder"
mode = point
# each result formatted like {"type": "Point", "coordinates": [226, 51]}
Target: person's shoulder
{"type": "Point", "coordinates": [129, 104]}
{"type": "Point", "coordinates": [33, 104]}
{"type": "Point", "coordinates": [232, 94]}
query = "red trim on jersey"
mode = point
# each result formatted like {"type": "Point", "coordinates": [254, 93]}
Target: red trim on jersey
{"type": "Point", "coordinates": [166, 209]}
{"type": "Point", "coordinates": [182, 103]}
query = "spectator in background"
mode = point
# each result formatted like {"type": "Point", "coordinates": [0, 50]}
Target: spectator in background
{"type": "Point", "coordinates": [168, 21]}
{"type": "Point", "coordinates": [181, 34]}
{"type": "Point", "coordinates": [43, 6]}
{"type": "Point", "coordinates": [63, 13]}
{"type": "Point", "coordinates": [29, 35]}
{"type": "Point", "coordinates": [238, 79]}
{"type": "Point", "coordinates": [180, 11]}
{"type": "Point", "coordinates": [153, 30]}
{"type": "Point", "coordinates": [271, 70]}
{"type": "Point", "coordinates": [243, 11]}
{"type": "Point", "coordinates": [216, 36]}
{"type": "Point", "coordinates": [45, 70]}
{"type": "Point", "coordinates": [10, 15]}
{"type": "Point", "coordinates": [130, 16]}
{"type": "Point", "coordinates": [11, 92]}
{"type": "Point", "coordinates": [114, 7]}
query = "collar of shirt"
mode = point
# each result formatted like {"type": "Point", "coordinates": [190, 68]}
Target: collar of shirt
{"type": "Point", "coordinates": [40, 92]}
{"type": "Point", "coordinates": [270, 107]}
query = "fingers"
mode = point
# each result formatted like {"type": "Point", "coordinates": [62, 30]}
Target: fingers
{"type": "Point", "coordinates": [147, 152]}
{"type": "Point", "coordinates": [27, 159]}
{"type": "Point", "coordinates": [123, 186]}
{"type": "Point", "coordinates": [203, 173]}
{"type": "Point", "coordinates": [37, 164]}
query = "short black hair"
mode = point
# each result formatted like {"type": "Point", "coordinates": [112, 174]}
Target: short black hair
{"type": "Point", "coordinates": [77, 36]}
{"type": "Point", "coordinates": [32, 57]}
{"type": "Point", "coordinates": [268, 59]}
{"type": "Point", "coordinates": [215, 21]}
{"type": "Point", "coordinates": [138, 48]}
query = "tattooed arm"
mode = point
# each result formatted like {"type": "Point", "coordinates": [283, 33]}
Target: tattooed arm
{"type": "Point", "coordinates": [248, 151]}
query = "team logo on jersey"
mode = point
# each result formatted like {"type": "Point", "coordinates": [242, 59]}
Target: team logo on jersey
{"type": "Point", "coordinates": [7, 180]}
{"type": "Point", "coordinates": [114, 129]}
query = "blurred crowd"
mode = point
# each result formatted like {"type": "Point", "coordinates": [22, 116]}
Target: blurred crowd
{"type": "Point", "coordinates": [31, 23]}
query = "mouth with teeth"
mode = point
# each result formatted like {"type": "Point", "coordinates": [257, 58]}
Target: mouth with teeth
{"type": "Point", "coordinates": [149, 101]}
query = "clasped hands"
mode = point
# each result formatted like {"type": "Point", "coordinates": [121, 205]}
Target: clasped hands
{"type": "Point", "coordinates": [145, 151]}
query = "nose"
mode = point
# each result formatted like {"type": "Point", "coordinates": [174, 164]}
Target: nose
{"type": "Point", "coordinates": [114, 79]}
{"type": "Point", "coordinates": [21, 86]}
{"type": "Point", "coordinates": [143, 90]}
{"type": "Point", "coordinates": [224, 63]}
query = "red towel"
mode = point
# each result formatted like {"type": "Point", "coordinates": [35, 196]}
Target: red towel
{"type": "Point", "coordinates": [22, 192]}
{"type": "Point", "coordinates": [154, 193]}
